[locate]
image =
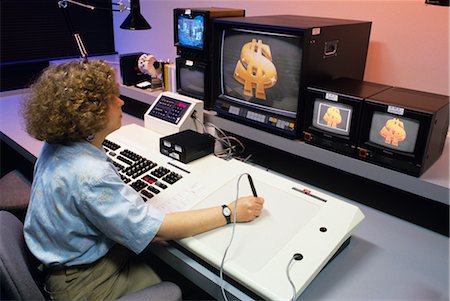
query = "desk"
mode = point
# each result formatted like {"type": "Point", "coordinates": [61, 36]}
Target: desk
{"type": "Point", "coordinates": [388, 258]}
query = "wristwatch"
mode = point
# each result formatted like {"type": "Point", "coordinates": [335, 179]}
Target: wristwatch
{"type": "Point", "coordinates": [226, 211]}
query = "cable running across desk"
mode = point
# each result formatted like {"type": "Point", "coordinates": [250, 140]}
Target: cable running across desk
{"type": "Point", "coordinates": [222, 281]}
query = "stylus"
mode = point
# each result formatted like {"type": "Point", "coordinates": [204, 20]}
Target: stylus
{"type": "Point", "coordinates": [252, 185]}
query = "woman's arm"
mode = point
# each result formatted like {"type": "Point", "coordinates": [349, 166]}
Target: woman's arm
{"type": "Point", "coordinates": [188, 223]}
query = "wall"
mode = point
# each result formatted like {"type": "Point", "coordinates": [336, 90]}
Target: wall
{"type": "Point", "coordinates": [409, 43]}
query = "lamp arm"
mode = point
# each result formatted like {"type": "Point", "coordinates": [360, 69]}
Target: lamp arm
{"type": "Point", "coordinates": [64, 3]}
{"type": "Point", "coordinates": [78, 40]}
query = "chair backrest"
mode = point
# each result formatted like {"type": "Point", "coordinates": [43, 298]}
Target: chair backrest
{"type": "Point", "coordinates": [17, 282]}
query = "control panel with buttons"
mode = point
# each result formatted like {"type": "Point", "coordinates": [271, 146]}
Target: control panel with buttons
{"type": "Point", "coordinates": [172, 113]}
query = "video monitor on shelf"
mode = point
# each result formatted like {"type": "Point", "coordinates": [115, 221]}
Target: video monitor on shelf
{"type": "Point", "coordinates": [333, 112]}
{"type": "Point", "coordinates": [193, 29]}
{"type": "Point", "coordinates": [193, 79]}
{"type": "Point", "coordinates": [404, 129]}
{"type": "Point", "coordinates": [264, 64]}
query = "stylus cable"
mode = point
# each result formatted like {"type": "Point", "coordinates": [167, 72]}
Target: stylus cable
{"type": "Point", "coordinates": [222, 281]}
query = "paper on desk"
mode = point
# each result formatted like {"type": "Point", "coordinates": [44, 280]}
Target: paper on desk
{"type": "Point", "coordinates": [183, 200]}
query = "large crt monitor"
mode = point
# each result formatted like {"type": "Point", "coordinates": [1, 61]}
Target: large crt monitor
{"type": "Point", "coordinates": [404, 129]}
{"type": "Point", "coordinates": [333, 113]}
{"type": "Point", "coordinates": [264, 64]}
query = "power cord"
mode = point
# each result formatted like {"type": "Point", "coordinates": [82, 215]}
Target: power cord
{"type": "Point", "coordinates": [194, 116]}
{"type": "Point", "coordinates": [229, 150]}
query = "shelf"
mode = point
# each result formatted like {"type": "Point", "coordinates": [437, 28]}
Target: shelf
{"type": "Point", "coordinates": [433, 184]}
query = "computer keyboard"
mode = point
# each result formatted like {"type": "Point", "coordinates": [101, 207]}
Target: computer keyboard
{"type": "Point", "coordinates": [142, 174]}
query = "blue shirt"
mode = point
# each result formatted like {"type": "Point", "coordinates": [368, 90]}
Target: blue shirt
{"type": "Point", "coordinates": [79, 207]}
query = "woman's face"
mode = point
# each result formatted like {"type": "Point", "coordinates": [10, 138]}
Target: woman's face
{"type": "Point", "coordinates": [114, 115]}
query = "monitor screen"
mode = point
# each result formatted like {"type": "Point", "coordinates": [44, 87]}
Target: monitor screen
{"type": "Point", "coordinates": [332, 117]}
{"type": "Point", "coordinates": [192, 81]}
{"type": "Point", "coordinates": [394, 132]}
{"type": "Point", "coordinates": [191, 31]}
{"type": "Point", "coordinates": [261, 69]}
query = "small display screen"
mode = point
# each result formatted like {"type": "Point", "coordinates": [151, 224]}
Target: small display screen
{"type": "Point", "coordinates": [192, 81]}
{"type": "Point", "coordinates": [394, 132]}
{"type": "Point", "coordinates": [261, 69]}
{"type": "Point", "coordinates": [332, 117]}
{"type": "Point", "coordinates": [191, 31]}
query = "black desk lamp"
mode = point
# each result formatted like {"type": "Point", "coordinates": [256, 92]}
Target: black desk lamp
{"type": "Point", "coordinates": [134, 21]}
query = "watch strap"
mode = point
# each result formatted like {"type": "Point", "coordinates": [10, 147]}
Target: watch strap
{"type": "Point", "coordinates": [227, 217]}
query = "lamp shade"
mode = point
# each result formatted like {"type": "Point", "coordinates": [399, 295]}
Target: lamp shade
{"type": "Point", "coordinates": [135, 21]}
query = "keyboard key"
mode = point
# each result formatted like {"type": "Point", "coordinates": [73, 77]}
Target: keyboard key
{"type": "Point", "coordinates": [153, 189]}
{"type": "Point", "coordinates": [138, 185]}
{"type": "Point", "coordinates": [147, 193]}
{"type": "Point", "coordinates": [160, 184]}
{"type": "Point", "coordinates": [172, 177]}
{"type": "Point", "coordinates": [111, 145]}
{"type": "Point", "coordinates": [160, 172]}
{"type": "Point", "coordinates": [125, 160]}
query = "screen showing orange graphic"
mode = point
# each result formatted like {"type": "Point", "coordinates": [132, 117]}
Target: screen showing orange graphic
{"type": "Point", "coordinates": [255, 69]}
{"type": "Point", "coordinates": [395, 132]}
{"type": "Point", "coordinates": [332, 117]}
{"type": "Point", "coordinates": [261, 68]}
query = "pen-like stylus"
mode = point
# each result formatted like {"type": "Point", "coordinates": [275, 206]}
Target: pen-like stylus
{"type": "Point", "coordinates": [252, 185]}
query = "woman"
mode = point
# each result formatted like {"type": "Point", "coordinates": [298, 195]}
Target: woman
{"type": "Point", "coordinates": [82, 220]}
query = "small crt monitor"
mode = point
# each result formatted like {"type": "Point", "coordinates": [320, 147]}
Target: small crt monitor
{"type": "Point", "coordinates": [333, 111]}
{"type": "Point", "coordinates": [404, 129]}
{"type": "Point", "coordinates": [193, 29]}
{"type": "Point", "coordinates": [194, 79]}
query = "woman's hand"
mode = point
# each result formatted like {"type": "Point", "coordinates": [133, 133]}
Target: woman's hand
{"type": "Point", "coordinates": [248, 208]}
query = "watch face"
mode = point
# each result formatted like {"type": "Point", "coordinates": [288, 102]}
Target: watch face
{"type": "Point", "coordinates": [226, 211]}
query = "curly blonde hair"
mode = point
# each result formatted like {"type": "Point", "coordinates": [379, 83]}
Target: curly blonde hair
{"type": "Point", "coordinates": [69, 102]}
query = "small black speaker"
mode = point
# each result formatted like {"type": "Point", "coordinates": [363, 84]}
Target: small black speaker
{"type": "Point", "coordinates": [129, 69]}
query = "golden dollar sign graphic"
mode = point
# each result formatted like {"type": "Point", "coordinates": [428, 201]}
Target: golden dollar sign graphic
{"type": "Point", "coordinates": [255, 69]}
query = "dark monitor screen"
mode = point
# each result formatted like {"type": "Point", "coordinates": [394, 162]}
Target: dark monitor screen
{"type": "Point", "coordinates": [191, 31]}
{"type": "Point", "coordinates": [332, 117]}
{"type": "Point", "coordinates": [394, 132]}
{"type": "Point", "coordinates": [261, 69]}
{"type": "Point", "coordinates": [192, 81]}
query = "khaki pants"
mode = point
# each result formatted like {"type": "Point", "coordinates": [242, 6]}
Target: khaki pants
{"type": "Point", "coordinates": [116, 274]}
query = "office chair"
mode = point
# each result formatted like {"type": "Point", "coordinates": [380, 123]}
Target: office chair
{"type": "Point", "coordinates": [18, 281]}
{"type": "Point", "coordinates": [14, 193]}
